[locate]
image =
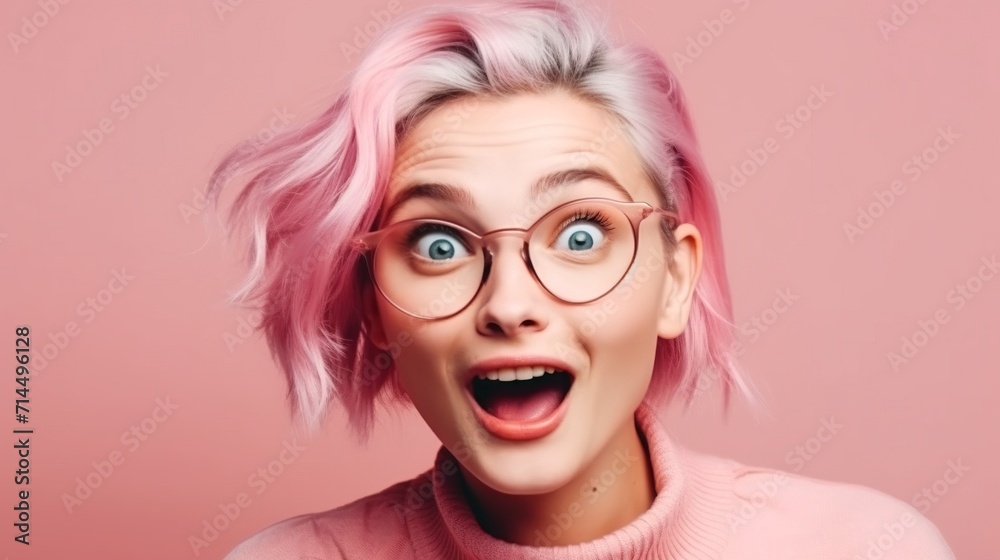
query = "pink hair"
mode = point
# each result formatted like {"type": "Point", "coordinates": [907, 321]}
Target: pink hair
{"type": "Point", "coordinates": [313, 188]}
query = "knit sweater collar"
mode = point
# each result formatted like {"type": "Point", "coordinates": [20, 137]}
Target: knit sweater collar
{"type": "Point", "coordinates": [687, 520]}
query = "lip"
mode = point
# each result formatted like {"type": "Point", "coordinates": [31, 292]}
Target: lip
{"type": "Point", "coordinates": [517, 431]}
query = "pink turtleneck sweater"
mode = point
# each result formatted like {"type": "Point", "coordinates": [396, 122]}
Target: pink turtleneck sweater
{"type": "Point", "coordinates": [705, 508]}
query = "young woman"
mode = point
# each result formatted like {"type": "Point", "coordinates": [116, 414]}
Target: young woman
{"type": "Point", "coordinates": [505, 222]}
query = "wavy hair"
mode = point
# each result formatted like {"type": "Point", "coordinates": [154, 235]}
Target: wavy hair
{"type": "Point", "coordinates": [314, 187]}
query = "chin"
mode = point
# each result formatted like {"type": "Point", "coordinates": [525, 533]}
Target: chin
{"type": "Point", "coordinates": [526, 470]}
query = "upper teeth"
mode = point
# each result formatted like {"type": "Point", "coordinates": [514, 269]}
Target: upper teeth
{"type": "Point", "coordinates": [519, 374]}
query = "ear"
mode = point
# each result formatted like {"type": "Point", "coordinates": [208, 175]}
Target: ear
{"type": "Point", "coordinates": [373, 322]}
{"type": "Point", "coordinates": [680, 281]}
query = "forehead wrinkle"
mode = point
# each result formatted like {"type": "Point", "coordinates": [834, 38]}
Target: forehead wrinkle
{"type": "Point", "coordinates": [424, 149]}
{"type": "Point", "coordinates": [426, 144]}
{"type": "Point", "coordinates": [442, 153]}
{"type": "Point", "coordinates": [462, 197]}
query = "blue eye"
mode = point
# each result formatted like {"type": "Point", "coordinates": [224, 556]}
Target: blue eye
{"type": "Point", "coordinates": [437, 243]}
{"type": "Point", "coordinates": [580, 236]}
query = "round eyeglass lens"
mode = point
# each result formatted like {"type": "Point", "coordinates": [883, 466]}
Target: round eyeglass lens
{"type": "Point", "coordinates": [582, 250]}
{"type": "Point", "coordinates": [428, 268]}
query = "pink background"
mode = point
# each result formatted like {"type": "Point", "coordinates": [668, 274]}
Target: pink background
{"type": "Point", "coordinates": [168, 334]}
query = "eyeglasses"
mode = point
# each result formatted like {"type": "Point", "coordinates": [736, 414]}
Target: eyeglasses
{"type": "Point", "coordinates": [578, 252]}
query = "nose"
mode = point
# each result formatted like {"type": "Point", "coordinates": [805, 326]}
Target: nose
{"type": "Point", "coordinates": [511, 302]}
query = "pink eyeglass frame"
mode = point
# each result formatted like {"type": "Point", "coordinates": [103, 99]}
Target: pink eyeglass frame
{"type": "Point", "coordinates": [636, 212]}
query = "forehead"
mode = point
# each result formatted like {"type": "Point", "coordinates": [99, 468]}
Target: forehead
{"type": "Point", "coordinates": [497, 148]}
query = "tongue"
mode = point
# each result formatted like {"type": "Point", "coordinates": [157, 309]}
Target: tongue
{"type": "Point", "coordinates": [523, 401]}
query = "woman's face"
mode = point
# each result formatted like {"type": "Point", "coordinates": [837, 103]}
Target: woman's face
{"type": "Point", "coordinates": [494, 150]}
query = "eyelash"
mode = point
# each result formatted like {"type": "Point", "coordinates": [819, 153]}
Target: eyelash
{"type": "Point", "coordinates": [592, 216]}
{"type": "Point", "coordinates": [424, 229]}
{"type": "Point", "coordinates": [580, 215]}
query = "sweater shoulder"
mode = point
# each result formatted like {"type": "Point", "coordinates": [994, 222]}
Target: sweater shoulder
{"type": "Point", "coordinates": [823, 518]}
{"type": "Point", "coordinates": [370, 527]}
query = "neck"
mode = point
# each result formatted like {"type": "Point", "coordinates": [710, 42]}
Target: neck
{"type": "Point", "coordinates": [615, 489]}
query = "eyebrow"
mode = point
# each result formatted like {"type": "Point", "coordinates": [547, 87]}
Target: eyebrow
{"type": "Point", "coordinates": [458, 196]}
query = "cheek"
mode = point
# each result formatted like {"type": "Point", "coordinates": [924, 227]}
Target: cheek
{"type": "Point", "coordinates": [621, 328]}
{"type": "Point", "coordinates": [407, 333]}
{"type": "Point", "coordinates": [631, 309]}
{"type": "Point", "coordinates": [423, 349]}
{"type": "Point", "coordinates": [425, 376]}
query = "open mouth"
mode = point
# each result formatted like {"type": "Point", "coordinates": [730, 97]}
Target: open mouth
{"type": "Point", "coordinates": [512, 396]}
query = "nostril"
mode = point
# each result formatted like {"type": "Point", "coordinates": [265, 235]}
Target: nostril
{"type": "Point", "coordinates": [496, 326]}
